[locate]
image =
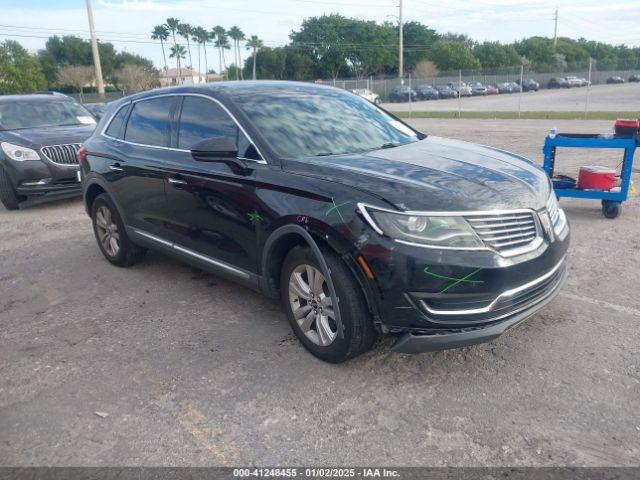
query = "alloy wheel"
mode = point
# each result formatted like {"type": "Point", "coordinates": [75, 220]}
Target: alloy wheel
{"type": "Point", "coordinates": [107, 230]}
{"type": "Point", "coordinates": [311, 305]}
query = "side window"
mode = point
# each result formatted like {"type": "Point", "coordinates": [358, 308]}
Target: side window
{"type": "Point", "coordinates": [201, 118]}
{"type": "Point", "coordinates": [115, 129]}
{"type": "Point", "coordinates": [149, 122]}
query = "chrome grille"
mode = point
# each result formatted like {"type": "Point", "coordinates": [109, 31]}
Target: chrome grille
{"type": "Point", "coordinates": [505, 231]}
{"type": "Point", "coordinates": [62, 154]}
{"type": "Point", "coordinates": [553, 208]}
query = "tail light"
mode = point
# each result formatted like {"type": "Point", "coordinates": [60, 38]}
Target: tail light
{"type": "Point", "coordinates": [82, 154]}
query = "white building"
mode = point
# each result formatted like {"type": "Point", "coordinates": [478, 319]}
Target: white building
{"type": "Point", "coordinates": [186, 76]}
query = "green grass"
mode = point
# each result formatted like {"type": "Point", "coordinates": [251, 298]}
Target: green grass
{"type": "Point", "coordinates": [523, 115]}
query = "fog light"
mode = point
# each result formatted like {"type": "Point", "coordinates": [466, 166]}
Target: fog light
{"type": "Point", "coordinates": [33, 184]}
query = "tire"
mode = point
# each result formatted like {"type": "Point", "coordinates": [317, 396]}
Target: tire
{"type": "Point", "coordinates": [127, 253]}
{"type": "Point", "coordinates": [611, 209]}
{"type": "Point", "coordinates": [359, 333]}
{"type": "Point", "coordinates": [8, 195]}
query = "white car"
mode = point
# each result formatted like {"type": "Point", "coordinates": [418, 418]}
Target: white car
{"type": "Point", "coordinates": [367, 95]}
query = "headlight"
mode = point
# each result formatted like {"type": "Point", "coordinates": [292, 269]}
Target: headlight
{"type": "Point", "coordinates": [434, 230]}
{"type": "Point", "coordinates": [18, 153]}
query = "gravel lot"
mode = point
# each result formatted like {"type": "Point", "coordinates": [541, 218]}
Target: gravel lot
{"type": "Point", "coordinates": [606, 98]}
{"type": "Point", "coordinates": [193, 370]}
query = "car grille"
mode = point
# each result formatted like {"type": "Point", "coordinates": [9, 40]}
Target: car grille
{"type": "Point", "coordinates": [505, 231]}
{"type": "Point", "coordinates": [62, 154]}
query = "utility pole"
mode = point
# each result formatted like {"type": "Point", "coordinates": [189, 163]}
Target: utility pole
{"type": "Point", "coordinates": [555, 29]}
{"type": "Point", "coordinates": [94, 50]}
{"type": "Point", "coordinates": [401, 52]}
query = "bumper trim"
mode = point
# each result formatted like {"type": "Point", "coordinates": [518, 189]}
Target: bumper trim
{"type": "Point", "coordinates": [411, 343]}
{"type": "Point", "coordinates": [506, 294]}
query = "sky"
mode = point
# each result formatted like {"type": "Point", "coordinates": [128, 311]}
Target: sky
{"type": "Point", "coordinates": [128, 23]}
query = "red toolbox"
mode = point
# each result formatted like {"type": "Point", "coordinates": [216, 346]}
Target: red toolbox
{"type": "Point", "coordinates": [596, 178]}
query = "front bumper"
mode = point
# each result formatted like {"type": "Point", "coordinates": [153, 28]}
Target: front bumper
{"type": "Point", "coordinates": [410, 342]}
{"type": "Point", "coordinates": [436, 299]}
{"type": "Point", "coordinates": [42, 177]}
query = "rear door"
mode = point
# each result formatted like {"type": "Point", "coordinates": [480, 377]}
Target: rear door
{"type": "Point", "coordinates": [137, 171]}
{"type": "Point", "coordinates": [213, 206]}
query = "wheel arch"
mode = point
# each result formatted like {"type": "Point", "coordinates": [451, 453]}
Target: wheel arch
{"type": "Point", "coordinates": [287, 237]}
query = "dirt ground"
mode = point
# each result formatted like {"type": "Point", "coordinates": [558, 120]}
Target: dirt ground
{"type": "Point", "coordinates": [603, 98]}
{"type": "Point", "coordinates": [193, 370]}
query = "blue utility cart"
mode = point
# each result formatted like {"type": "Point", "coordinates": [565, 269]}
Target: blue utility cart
{"type": "Point", "coordinates": [611, 200]}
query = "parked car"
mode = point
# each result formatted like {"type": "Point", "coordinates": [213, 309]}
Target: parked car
{"type": "Point", "coordinates": [39, 137]}
{"type": "Point", "coordinates": [360, 224]}
{"type": "Point", "coordinates": [492, 90]}
{"type": "Point", "coordinates": [445, 92]}
{"type": "Point", "coordinates": [508, 87]}
{"type": "Point", "coordinates": [573, 81]}
{"type": "Point", "coordinates": [634, 78]}
{"type": "Point", "coordinates": [460, 88]}
{"type": "Point", "coordinates": [477, 89]}
{"type": "Point", "coordinates": [584, 82]}
{"type": "Point", "coordinates": [96, 109]}
{"type": "Point", "coordinates": [615, 79]}
{"type": "Point", "coordinates": [368, 95]}
{"type": "Point", "coordinates": [558, 82]}
{"type": "Point", "coordinates": [402, 93]}
{"type": "Point", "coordinates": [529, 85]}
{"type": "Point", "coordinates": [427, 92]}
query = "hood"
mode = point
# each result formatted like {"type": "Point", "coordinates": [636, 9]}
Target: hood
{"type": "Point", "coordinates": [38, 137]}
{"type": "Point", "coordinates": [437, 174]}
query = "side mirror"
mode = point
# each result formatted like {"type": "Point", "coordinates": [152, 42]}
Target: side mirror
{"type": "Point", "coordinates": [215, 149]}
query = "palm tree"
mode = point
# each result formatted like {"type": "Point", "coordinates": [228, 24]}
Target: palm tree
{"type": "Point", "coordinates": [237, 36]}
{"type": "Point", "coordinates": [254, 43]}
{"type": "Point", "coordinates": [160, 32]}
{"type": "Point", "coordinates": [172, 25]}
{"type": "Point", "coordinates": [220, 36]}
{"type": "Point", "coordinates": [185, 30]}
{"type": "Point", "coordinates": [201, 36]}
{"type": "Point", "coordinates": [178, 52]}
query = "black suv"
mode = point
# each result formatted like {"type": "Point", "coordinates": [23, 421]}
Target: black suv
{"type": "Point", "coordinates": [359, 223]}
{"type": "Point", "coordinates": [40, 135]}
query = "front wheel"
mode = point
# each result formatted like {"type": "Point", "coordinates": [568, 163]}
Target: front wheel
{"type": "Point", "coordinates": [8, 195]}
{"type": "Point", "coordinates": [610, 209]}
{"type": "Point", "coordinates": [311, 310]}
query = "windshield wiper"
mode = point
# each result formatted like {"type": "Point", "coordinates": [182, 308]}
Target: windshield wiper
{"type": "Point", "coordinates": [325, 154]}
{"type": "Point", "coordinates": [390, 145]}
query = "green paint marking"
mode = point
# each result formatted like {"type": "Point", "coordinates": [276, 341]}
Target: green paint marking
{"type": "Point", "coordinates": [336, 207]}
{"type": "Point", "coordinates": [442, 277]}
{"type": "Point", "coordinates": [255, 217]}
{"type": "Point", "coordinates": [463, 279]}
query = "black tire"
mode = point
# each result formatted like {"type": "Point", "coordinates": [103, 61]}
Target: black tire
{"type": "Point", "coordinates": [8, 195]}
{"type": "Point", "coordinates": [359, 333]}
{"type": "Point", "coordinates": [611, 209]}
{"type": "Point", "coordinates": [128, 252]}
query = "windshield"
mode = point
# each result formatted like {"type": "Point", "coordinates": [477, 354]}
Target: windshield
{"type": "Point", "coordinates": [17, 115]}
{"type": "Point", "coordinates": [304, 123]}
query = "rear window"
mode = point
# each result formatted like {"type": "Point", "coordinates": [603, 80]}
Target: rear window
{"type": "Point", "coordinates": [115, 128]}
{"type": "Point", "coordinates": [149, 122]}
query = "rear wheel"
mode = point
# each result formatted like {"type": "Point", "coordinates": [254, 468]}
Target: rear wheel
{"type": "Point", "coordinates": [610, 209]}
{"type": "Point", "coordinates": [111, 235]}
{"type": "Point", "coordinates": [312, 311]}
{"type": "Point", "coordinates": [8, 195]}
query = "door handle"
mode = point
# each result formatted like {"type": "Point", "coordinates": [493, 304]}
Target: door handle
{"type": "Point", "coordinates": [116, 168]}
{"type": "Point", "coordinates": [177, 181]}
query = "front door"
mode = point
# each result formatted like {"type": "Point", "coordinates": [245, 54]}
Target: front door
{"type": "Point", "coordinates": [213, 206]}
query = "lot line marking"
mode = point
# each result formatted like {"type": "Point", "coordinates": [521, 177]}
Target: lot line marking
{"type": "Point", "coordinates": [197, 424]}
{"type": "Point", "coordinates": [601, 303]}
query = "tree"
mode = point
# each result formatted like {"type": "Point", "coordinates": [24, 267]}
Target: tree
{"type": "Point", "coordinates": [425, 69]}
{"type": "Point", "coordinates": [76, 77]}
{"type": "Point", "coordinates": [20, 72]}
{"type": "Point", "coordinates": [254, 44]}
{"type": "Point", "coordinates": [496, 55]}
{"type": "Point", "coordinates": [539, 51]}
{"type": "Point", "coordinates": [370, 48]}
{"type": "Point", "coordinates": [160, 32]}
{"type": "Point", "coordinates": [178, 52]}
{"type": "Point", "coordinates": [133, 78]}
{"type": "Point", "coordinates": [453, 55]}
{"type": "Point", "coordinates": [185, 30]}
{"type": "Point", "coordinates": [219, 34]}
{"type": "Point", "coordinates": [237, 36]}
{"type": "Point", "coordinates": [418, 40]}
{"type": "Point", "coordinates": [172, 25]}
{"type": "Point", "coordinates": [201, 36]}
{"type": "Point", "coordinates": [324, 39]}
